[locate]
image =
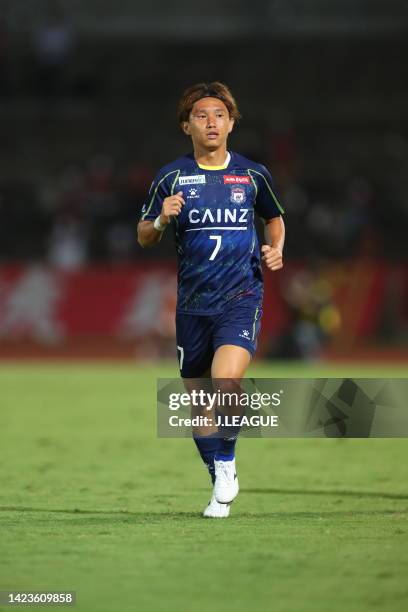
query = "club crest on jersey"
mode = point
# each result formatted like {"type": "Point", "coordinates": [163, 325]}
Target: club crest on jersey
{"type": "Point", "coordinates": [238, 195]}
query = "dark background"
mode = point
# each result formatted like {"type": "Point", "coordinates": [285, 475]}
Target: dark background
{"type": "Point", "coordinates": [88, 96]}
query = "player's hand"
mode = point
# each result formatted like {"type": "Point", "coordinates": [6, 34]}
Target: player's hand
{"type": "Point", "coordinates": [171, 207]}
{"type": "Point", "coordinates": [272, 257]}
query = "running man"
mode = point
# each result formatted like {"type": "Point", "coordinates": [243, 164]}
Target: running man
{"type": "Point", "coordinates": [210, 198]}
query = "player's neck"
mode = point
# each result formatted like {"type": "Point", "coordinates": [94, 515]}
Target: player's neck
{"type": "Point", "coordinates": [211, 158]}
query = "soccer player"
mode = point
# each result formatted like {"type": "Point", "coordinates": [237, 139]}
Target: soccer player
{"type": "Point", "coordinates": [209, 197]}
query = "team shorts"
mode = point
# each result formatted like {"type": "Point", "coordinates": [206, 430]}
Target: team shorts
{"type": "Point", "coordinates": [199, 336]}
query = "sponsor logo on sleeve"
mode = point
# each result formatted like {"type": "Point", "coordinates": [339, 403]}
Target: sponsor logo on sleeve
{"type": "Point", "coordinates": [230, 179]}
{"type": "Point", "coordinates": [196, 179]}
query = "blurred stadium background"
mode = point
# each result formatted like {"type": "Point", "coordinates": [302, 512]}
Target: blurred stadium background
{"type": "Point", "coordinates": [90, 498]}
{"type": "Point", "coordinates": [88, 93]}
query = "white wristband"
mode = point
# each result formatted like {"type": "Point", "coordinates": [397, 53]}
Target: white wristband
{"type": "Point", "coordinates": [158, 225]}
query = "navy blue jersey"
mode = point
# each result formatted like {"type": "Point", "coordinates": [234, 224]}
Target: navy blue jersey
{"type": "Point", "coordinates": [217, 245]}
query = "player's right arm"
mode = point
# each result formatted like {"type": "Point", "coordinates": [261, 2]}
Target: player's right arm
{"type": "Point", "coordinates": [149, 232]}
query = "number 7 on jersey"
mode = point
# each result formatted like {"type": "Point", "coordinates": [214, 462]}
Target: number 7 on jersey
{"type": "Point", "coordinates": [216, 248]}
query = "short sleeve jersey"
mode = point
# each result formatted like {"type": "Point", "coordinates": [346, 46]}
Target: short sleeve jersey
{"type": "Point", "coordinates": [216, 241]}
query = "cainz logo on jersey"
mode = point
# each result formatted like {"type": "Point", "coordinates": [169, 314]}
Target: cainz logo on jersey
{"type": "Point", "coordinates": [219, 215]}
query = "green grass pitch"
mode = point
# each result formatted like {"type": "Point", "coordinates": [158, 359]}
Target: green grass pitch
{"type": "Point", "coordinates": [92, 501]}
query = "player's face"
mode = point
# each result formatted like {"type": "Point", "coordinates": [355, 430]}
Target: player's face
{"type": "Point", "coordinates": [209, 124]}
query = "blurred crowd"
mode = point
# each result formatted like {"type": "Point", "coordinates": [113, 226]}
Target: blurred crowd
{"type": "Point", "coordinates": [83, 214]}
{"type": "Point", "coordinates": [89, 212]}
{"type": "Point", "coordinates": [42, 62]}
{"type": "Point", "coordinates": [86, 209]}
{"type": "Point", "coordinates": [86, 121]}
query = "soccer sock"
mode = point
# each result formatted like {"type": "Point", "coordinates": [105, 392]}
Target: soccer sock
{"type": "Point", "coordinates": [228, 440]}
{"type": "Point", "coordinates": [207, 447]}
{"type": "Point", "coordinates": [226, 449]}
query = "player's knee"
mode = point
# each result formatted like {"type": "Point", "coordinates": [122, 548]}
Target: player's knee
{"type": "Point", "coordinates": [228, 383]}
{"type": "Point", "coordinates": [202, 383]}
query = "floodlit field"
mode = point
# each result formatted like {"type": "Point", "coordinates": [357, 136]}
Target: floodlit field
{"type": "Point", "coordinates": [92, 501]}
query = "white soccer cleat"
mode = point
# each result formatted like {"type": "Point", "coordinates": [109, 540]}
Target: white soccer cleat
{"type": "Point", "coordinates": [216, 510]}
{"type": "Point", "coordinates": [226, 482]}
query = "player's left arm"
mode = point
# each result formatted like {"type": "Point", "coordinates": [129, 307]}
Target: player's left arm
{"type": "Point", "coordinates": [268, 207]}
{"type": "Point", "coordinates": [272, 251]}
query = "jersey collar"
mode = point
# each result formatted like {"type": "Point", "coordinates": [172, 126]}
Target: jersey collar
{"type": "Point", "coordinates": [223, 167]}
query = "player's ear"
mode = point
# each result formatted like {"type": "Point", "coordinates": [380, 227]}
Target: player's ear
{"type": "Point", "coordinates": [231, 125]}
{"type": "Point", "coordinates": [185, 126]}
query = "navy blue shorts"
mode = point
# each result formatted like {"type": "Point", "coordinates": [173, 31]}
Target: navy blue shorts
{"type": "Point", "coordinates": [199, 336]}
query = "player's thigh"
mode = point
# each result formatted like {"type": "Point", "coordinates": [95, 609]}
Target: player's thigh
{"type": "Point", "coordinates": [235, 338]}
{"type": "Point", "coordinates": [194, 346]}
